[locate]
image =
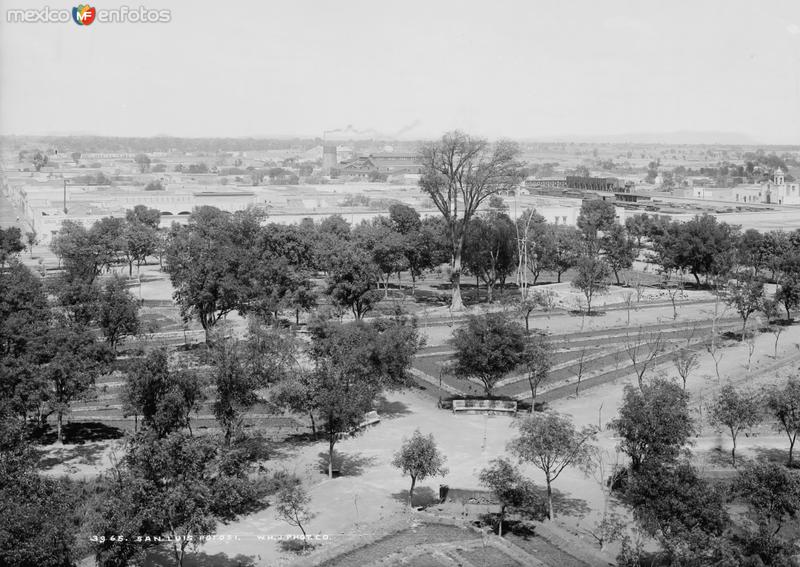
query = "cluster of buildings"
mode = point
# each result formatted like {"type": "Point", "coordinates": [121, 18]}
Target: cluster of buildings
{"type": "Point", "coordinates": [389, 165]}
{"type": "Point", "coordinates": [777, 191]}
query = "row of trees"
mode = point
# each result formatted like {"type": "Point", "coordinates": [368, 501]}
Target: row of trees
{"type": "Point", "coordinates": [687, 514]}
{"type": "Point", "coordinates": [171, 481]}
{"type": "Point", "coordinates": [669, 499]}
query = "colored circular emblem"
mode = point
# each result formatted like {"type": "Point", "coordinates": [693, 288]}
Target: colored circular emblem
{"type": "Point", "coordinates": [84, 14]}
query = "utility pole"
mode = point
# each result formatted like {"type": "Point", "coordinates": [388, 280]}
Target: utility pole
{"type": "Point", "coordinates": [65, 196]}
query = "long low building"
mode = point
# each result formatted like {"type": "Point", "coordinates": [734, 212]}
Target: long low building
{"type": "Point", "coordinates": [598, 184]}
{"type": "Point", "coordinates": [384, 164]}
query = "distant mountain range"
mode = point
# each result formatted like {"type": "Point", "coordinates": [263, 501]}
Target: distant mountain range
{"type": "Point", "coordinates": [679, 137]}
{"type": "Point", "coordinates": [415, 132]}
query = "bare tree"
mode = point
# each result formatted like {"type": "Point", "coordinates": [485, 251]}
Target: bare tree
{"type": "Point", "coordinates": [603, 467]}
{"type": "Point", "coordinates": [628, 300]}
{"type": "Point", "coordinates": [291, 506]}
{"type": "Point", "coordinates": [751, 346]}
{"type": "Point", "coordinates": [713, 346]}
{"type": "Point", "coordinates": [716, 354]}
{"type": "Point", "coordinates": [578, 370]}
{"type": "Point", "coordinates": [459, 172]}
{"type": "Point", "coordinates": [674, 289]}
{"type": "Point", "coordinates": [533, 299]}
{"type": "Point", "coordinates": [673, 292]}
{"type": "Point", "coordinates": [685, 361]}
{"type": "Point", "coordinates": [643, 350]}
{"type": "Point", "coordinates": [638, 287]}
{"type": "Point", "coordinates": [777, 330]}
{"type": "Point", "coordinates": [537, 361]}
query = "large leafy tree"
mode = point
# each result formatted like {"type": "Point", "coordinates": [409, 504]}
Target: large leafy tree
{"type": "Point", "coordinates": [702, 246]}
{"type": "Point", "coordinates": [69, 359]}
{"type": "Point", "coordinates": [108, 236]}
{"type": "Point", "coordinates": [788, 294]}
{"type": "Point", "coordinates": [419, 458]}
{"type": "Point", "coordinates": [10, 244]}
{"type": "Point", "coordinates": [185, 486]}
{"type": "Point", "coordinates": [353, 363]}
{"type": "Point", "coordinates": [752, 251]}
{"type": "Point", "coordinates": [654, 423]}
{"type": "Point", "coordinates": [77, 297]}
{"type": "Point", "coordinates": [425, 248]}
{"type": "Point", "coordinates": [140, 240]}
{"type": "Point", "coordinates": [277, 276]}
{"type": "Point", "coordinates": [596, 216]}
{"type": "Point", "coordinates": [205, 261]}
{"type": "Point", "coordinates": [117, 311]}
{"type": "Point", "coordinates": [772, 493]}
{"type": "Point", "coordinates": [746, 295]}
{"type": "Point", "coordinates": [536, 243]}
{"type": "Point", "coordinates": [784, 405]}
{"type": "Point", "coordinates": [353, 280]}
{"type": "Point", "coordinates": [638, 228]}
{"type": "Point", "coordinates": [243, 372]}
{"type": "Point", "coordinates": [79, 251]}
{"type": "Point", "coordinates": [144, 215]}
{"type": "Point", "coordinates": [164, 397]}
{"type": "Point", "coordinates": [274, 284]}
{"type": "Point", "coordinates": [404, 218]}
{"type": "Point", "coordinates": [618, 249]}
{"type": "Point", "coordinates": [331, 236]}
{"type": "Point", "coordinates": [386, 246]}
{"type": "Point", "coordinates": [459, 173]}
{"type": "Point", "coordinates": [551, 443]}
{"type": "Point", "coordinates": [39, 525]}
{"type": "Point", "coordinates": [490, 249]}
{"type": "Point", "coordinates": [487, 348]}
{"type": "Point", "coordinates": [684, 512]}
{"type": "Point", "coordinates": [735, 411]}
{"type": "Point", "coordinates": [568, 249]}
{"type": "Point", "coordinates": [591, 278]}
{"type": "Point", "coordinates": [24, 317]}
{"type": "Point", "coordinates": [515, 492]}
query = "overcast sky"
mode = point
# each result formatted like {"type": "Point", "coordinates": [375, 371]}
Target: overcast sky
{"type": "Point", "coordinates": [522, 69]}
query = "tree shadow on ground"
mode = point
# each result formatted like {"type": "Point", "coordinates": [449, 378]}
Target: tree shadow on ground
{"type": "Point", "coordinates": [564, 505]}
{"type": "Point", "coordinates": [581, 313]}
{"type": "Point", "coordinates": [720, 458]}
{"type": "Point", "coordinates": [390, 410]}
{"type": "Point", "coordinates": [164, 557]}
{"type": "Point", "coordinates": [79, 433]}
{"type": "Point", "coordinates": [347, 465]}
{"type": "Point", "coordinates": [84, 454]}
{"type": "Point", "coordinates": [438, 297]}
{"type": "Point", "coordinates": [292, 443]}
{"type": "Point", "coordinates": [424, 496]}
{"type": "Point", "coordinates": [775, 455]}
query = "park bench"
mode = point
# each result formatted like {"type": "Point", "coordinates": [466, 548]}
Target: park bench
{"type": "Point", "coordinates": [491, 406]}
{"type": "Point", "coordinates": [370, 418]}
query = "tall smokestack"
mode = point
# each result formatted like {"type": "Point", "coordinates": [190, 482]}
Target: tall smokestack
{"type": "Point", "coordinates": [329, 160]}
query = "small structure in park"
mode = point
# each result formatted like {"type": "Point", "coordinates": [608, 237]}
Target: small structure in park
{"type": "Point", "coordinates": [485, 406]}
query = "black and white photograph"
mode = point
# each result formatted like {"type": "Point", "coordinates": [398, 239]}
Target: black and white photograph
{"type": "Point", "coordinates": [420, 283]}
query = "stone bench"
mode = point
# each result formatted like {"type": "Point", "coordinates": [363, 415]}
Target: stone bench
{"type": "Point", "coordinates": [370, 418]}
{"type": "Point", "coordinates": [503, 406]}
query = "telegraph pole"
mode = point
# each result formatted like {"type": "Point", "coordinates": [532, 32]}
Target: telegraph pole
{"type": "Point", "coordinates": [65, 196]}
